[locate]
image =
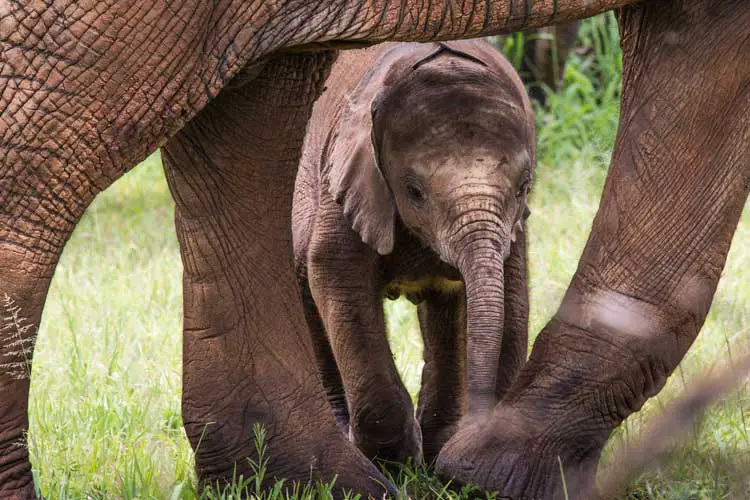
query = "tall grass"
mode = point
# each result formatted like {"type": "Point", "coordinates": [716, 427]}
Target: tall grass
{"type": "Point", "coordinates": [105, 402]}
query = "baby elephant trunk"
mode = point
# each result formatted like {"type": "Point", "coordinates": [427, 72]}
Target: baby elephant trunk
{"type": "Point", "coordinates": [481, 265]}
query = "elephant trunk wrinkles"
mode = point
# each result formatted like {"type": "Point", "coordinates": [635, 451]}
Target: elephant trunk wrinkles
{"type": "Point", "coordinates": [480, 261]}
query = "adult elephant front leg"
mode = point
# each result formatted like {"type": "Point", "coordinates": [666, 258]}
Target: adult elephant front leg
{"type": "Point", "coordinates": [674, 194]}
{"type": "Point", "coordinates": [247, 354]}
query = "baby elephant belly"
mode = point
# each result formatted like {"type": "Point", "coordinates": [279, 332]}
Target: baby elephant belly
{"type": "Point", "coordinates": [414, 290]}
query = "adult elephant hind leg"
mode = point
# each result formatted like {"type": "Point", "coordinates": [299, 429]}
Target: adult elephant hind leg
{"type": "Point", "coordinates": [247, 353]}
{"type": "Point", "coordinates": [47, 179]}
{"type": "Point", "coordinates": [26, 269]}
{"type": "Point", "coordinates": [677, 185]}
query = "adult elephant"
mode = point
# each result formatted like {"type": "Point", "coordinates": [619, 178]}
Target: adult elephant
{"type": "Point", "coordinates": [90, 88]}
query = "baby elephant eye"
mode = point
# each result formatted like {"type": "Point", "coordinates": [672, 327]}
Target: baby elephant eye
{"type": "Point", "coordinates": [522, 189]}
{"type": "Point", "coordinates": [415, 193]}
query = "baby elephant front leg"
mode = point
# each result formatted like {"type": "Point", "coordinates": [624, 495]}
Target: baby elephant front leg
{"type": "Point", "coordinates": [345, 288]}
{"type": "Point", "coordinates": [442, 398]}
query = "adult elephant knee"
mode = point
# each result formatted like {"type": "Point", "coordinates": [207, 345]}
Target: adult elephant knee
{"type": "Point", "coordinates": [672, 199]}
{"type": "Point", "coordinates": [90, 90]}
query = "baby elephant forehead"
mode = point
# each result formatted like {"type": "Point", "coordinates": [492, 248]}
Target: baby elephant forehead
{"type": "Point", "coordinates": [453, 77]}
{"type": "Point", "coordinates": [498, 132]}
{"type": "Point", "coordinates": [465, 104]}
{"type": "Point", "coordinates": [486, 157]}
{"type": "Point", "coordinates": [454, 157]}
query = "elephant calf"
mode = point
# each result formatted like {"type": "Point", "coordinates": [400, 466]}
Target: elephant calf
{"type": "Point", "coordinates": [414, 178]}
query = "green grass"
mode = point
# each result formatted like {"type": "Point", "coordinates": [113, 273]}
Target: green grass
{"type": "Point", "coordinates": [105, 402]}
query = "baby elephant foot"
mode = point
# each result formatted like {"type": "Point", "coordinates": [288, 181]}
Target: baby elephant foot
{"type": "Point", "coordinates": [387, 432]}
{"type": "Point", "coordinates": [500, 454]}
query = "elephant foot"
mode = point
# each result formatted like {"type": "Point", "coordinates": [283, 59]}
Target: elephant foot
{"type": "Point", "coordinates": [399, 447]}
{"type": "Point", "coordinates": [387, 433]}
{"type": "Point", "coordinates": [505, 454]}
{"type": "Point", "coordinates": [331, 459]}
{"type": "Point", "coordinates": [16, 479]}
{"type": "Point", "coordinates": [356, 474]}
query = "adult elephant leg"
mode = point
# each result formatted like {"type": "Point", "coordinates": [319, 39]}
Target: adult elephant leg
{"type": "Point", "coordinates": [679, 179]}
{"type": "Point", "coordinates": [442, 397]}
{"type": "Point", "coordinates": [35, 223]}
{"type": "Point", "coordinates": [88, 90]}
{"type": "Point", "coordinates": [44, 190]}
{"type": "Point", "coordinates": [58, 149]}
{"type": "Point", "coordinates": [247, 353]}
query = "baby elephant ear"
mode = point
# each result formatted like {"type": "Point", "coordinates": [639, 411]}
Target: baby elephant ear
{"type": "Point", "coordinates": [355, 180]}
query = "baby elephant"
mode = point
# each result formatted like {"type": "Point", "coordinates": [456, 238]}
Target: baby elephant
{"type": "Point", "coordinates": [414, 179]}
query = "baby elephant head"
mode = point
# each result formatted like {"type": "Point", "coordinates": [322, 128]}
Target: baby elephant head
{"type": "Point", "coordinates": [446, 143]}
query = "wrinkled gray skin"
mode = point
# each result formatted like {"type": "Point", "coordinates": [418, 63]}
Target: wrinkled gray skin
{"type": "Point", "coordinates": [414, 178]}
{"type": "Point", "coordinates": [88, 89]}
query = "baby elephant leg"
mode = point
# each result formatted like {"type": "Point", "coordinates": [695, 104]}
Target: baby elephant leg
{"type": "Point", "coordinates": [514, 347]}
{"type": "Point", "coordinates": [343, 283]}
{"type": "Point", "coordinates": [442, 318]}
{"type": "Point", "coordinates": [442, 398]}
{"type": "Point", "coordinates": [327, 367]}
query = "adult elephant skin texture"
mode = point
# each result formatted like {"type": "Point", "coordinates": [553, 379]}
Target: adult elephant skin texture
{"type": "Point", "coordinates": [90, 88]}
{"type": "Point", "coordinates": [414, 178]}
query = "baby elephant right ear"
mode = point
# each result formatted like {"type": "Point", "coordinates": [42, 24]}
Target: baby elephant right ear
{"type": "Point", "coordinates": [355, 180]}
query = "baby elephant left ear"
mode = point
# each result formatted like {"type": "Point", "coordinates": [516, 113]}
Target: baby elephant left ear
{"type": "Point", "coordinates": [355, 180]}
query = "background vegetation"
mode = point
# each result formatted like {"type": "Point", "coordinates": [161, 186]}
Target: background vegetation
{"type": "Point", "coordinates": [105, 403]}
